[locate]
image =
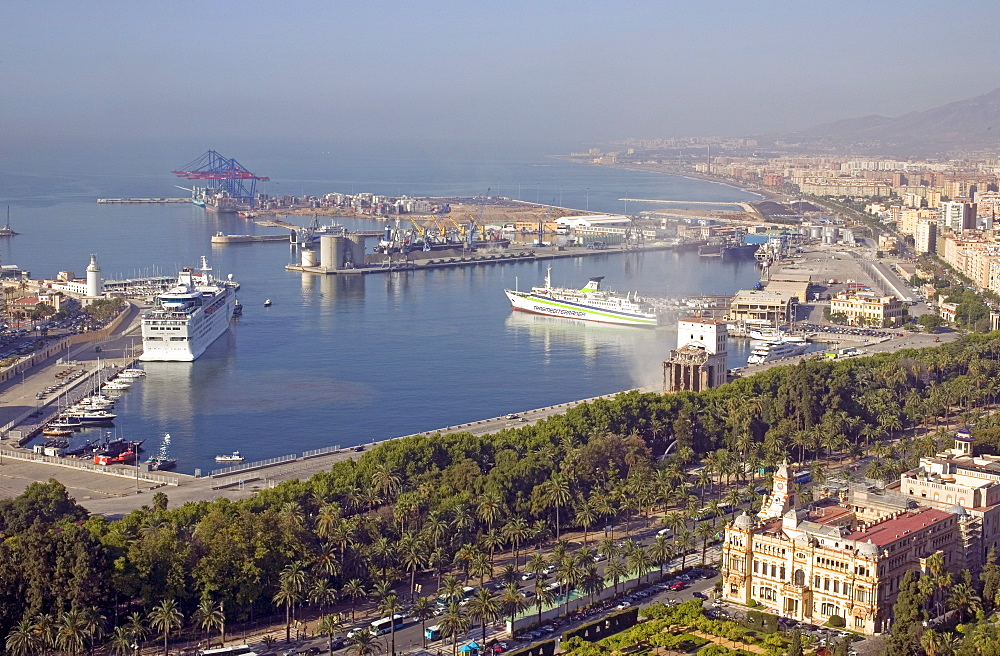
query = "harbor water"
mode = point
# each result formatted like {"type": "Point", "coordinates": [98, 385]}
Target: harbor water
{"type": "Point", "coordinates": [345, 360]}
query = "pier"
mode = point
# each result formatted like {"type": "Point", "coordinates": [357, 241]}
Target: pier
{"type": "Point", "coordinates": [105, 201]}
{"type": "Point", "coordinates": [221, 239]}
{"type": "Point", "coordinates": [470, 258]}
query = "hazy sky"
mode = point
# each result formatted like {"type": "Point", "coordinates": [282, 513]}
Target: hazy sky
{"type": "Point", "coordinates": [568, 72]}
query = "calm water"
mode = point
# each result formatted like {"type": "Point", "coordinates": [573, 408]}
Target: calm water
{"type": "Point", "coordinates": [346, 360]}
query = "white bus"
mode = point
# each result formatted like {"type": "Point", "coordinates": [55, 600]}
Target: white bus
{"type": "Point", "coordinates": [235, 650]}
{"type": "Point", "coordinates": [385, 625]}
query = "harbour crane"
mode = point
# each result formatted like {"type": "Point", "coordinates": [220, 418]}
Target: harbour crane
{"type": "Point", "coordinates": [222, 174]}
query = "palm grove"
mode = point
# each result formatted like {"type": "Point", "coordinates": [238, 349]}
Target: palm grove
{"type": "Point", "coordinates": [445, 506]}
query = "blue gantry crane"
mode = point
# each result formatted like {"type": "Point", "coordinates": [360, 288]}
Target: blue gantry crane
{"type": "Point", "coordinates": [222, 174]}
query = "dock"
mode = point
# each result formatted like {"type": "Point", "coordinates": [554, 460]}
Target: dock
{"type": "Point", "coordinates": [104, 201]}
{"type": "Point", "coordinates": [470, 259]}
{"type": "Point", "coordinates": [248, 239]}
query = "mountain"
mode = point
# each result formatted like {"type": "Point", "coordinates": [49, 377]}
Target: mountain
{"type": "Point", "coordinates": [965, 124]}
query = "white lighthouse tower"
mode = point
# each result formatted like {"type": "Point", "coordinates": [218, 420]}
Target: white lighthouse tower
{"type": "Point", "coordinates": [95, 286]}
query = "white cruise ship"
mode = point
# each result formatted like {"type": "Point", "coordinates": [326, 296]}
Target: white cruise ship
{"type": "Point", "coordinates": [769, 352]}
{"type": "Point", "coordinates": [188, 317]}
{"type": "Point", "coordinates": [589, 304]}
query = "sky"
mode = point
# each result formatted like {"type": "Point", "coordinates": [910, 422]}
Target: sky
{"type": "Point", "coordinates": [576, 72]}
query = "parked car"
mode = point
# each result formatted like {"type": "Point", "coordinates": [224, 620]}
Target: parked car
{"type": "Point", "coordinates": [678, 585]}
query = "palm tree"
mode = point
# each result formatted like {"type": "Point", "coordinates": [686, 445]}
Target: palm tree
{"type": "Point", "coordinates": [411, 552]}
{"type": "Point", "coordinates": [616, 571]}
{"type": "Point", "coordinates": [329, 625]}
{"type": "Point", "coordinates": [489, 509]}
{"type": "Point", "coordinates": [207, 615]}
{"type": "Point", "coordinates": [390, 607]}
{"type": "Point", "coordinates": [640, 562]}
{"type": "Point", "coordinates": [120, 643]}
{"type": "Point", "coordinates": [660, 552]}
{"type": "Point", "coordinates": [93, 625]}
{"type": "Point", "coordinates": [166, 617]}
{"type": "Point", "coordinates": [492, 540]}
{"type": "Point", "coordinates": [481, 567]}
{"type": "Point", "coordinates": [536, 565]}
{"type": "Point", "coordinates": [484, 607]}
{"type": "Point", "coordinates": [423, 610]}
{"type": "Point", "coordinates": [322, 593]}
{"type": "Point", "coordinates": [511, 601]}
{"type": "Point", "coordinates": [46, 629]}
{"type": "Point", "coordinates": [585, 517]}
{"type": "Point", "coordinates": [705, 532]}
{"type": "Point", "coordinates": [365, 643]}
{"type": "Point", "coordinates": [355, 590]}
{"type": "Point", "coordinates": [22, 639]}
{"type": "Point", "coordinates": [542, 596]}
{"type": "Point", "coordinates": [516, 530]}
{"type": "Point", "coordinates": [557, 491]}
{"type": "Point", "coordinates": [965, 600]}
{"type": "Point", "coordinates": [286, 596]}
{"type": "Point", "coordinates": [454, 623]}
{"type": "Point", "coordinates": [385, 481]}
{"type": "Point", "coordinates": [136, 628]}
{"type": "Point", "coordinates": [592, 582]}
{"type": "Point", "coordinates": [451, 589]}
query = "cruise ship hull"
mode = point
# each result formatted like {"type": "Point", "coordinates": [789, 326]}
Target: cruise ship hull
{"type": "Point", "coordinates": [537, 304]}
{"type": "Point", "coordinates": [182, 335]}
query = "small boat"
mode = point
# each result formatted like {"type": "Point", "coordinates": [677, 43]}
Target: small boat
{"type": "Point", "coordinates": [56, 432]}
{"type": "Point", "coordinates": [238, 309]}
{"type": "Point", "coordinates": [7, 231]}
{"type": "Point", "coordinates": [233, 457]}
{"type": "Point", "coordinates": [66, 422]}
{"type": "Point", "coordinates": [132, 373]}
{"type": "Point", "coordinates": [161, 463]}
{"type": "Point", "coordinates": [116, 385]}
{"type": "Point", "coordinates": [267, 303]}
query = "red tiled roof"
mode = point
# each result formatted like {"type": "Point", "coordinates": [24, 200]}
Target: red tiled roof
{"type": "Point", "coordinates": [908, 523]}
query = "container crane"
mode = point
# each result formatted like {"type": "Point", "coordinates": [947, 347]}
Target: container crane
{"type": "Point", "coordinates": [222, 175]}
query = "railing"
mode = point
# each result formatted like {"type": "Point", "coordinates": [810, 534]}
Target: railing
{"type": "Point", "coordinates": [318, 452]}
{"type": "Point", "coordinates": [252, 465]}
{"type": "Point", "coordinates": [131, 472]}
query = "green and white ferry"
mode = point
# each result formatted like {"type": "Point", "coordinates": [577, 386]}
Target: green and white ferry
{"type": "Point", "coordinates": [588, 304]}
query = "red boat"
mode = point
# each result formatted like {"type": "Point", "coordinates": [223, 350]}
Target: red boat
{"type": "Point", "coordinates": [124, 458]}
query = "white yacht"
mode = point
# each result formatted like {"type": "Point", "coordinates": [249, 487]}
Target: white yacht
{"type": "Point", "coordinates": [774, 336]}
{"type": "Point", "coordinates": [188, 317]}
{"type": "Point", "coordinates": [769, 352]}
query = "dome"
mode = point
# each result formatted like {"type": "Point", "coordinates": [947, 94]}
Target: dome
{"type": "Point", "coordinates": [743, 521]}
{"type": "Point", "coordinates": [868, 549]}
{"type": "Point", "coordinates": [958, 510]}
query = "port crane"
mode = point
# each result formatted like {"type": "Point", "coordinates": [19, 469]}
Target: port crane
{"type": "Point", "coordinates": [222, 175]}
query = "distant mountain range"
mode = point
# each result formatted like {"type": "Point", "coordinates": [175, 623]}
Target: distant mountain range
{"type": "Point", "coordinates": [970, 124]}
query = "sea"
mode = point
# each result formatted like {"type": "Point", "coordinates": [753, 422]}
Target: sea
{"type": "Point", "coordinates": [348, 360]}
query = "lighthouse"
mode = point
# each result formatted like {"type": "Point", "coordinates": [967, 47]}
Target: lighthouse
{"type": "Point", "coordinates": [95, 286]}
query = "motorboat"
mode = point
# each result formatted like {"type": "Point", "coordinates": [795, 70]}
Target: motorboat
{"type": "Point", "coordinates": [235, 456]}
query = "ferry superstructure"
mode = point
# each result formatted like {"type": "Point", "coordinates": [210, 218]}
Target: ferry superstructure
{"type": "Point", "coordinates": [588, 304]}
{"type": "Point", "coordinates": [188, 317]}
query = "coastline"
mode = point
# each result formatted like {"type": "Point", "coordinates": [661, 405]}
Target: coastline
{"type": "Point", "coordinates": [693, 175]}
